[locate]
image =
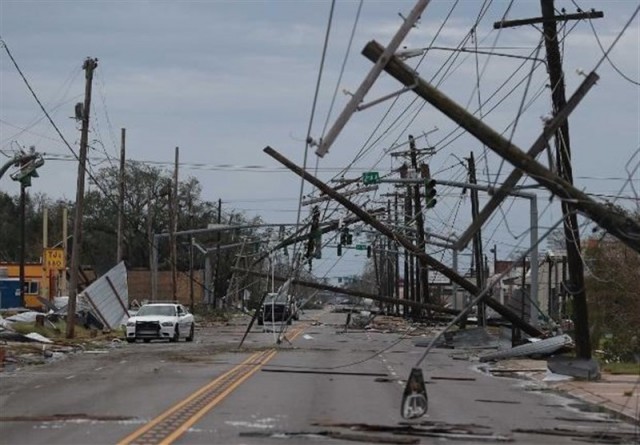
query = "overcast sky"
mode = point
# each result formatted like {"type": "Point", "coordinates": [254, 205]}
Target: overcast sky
{"type": "Point", "coordinates": [224, 79]}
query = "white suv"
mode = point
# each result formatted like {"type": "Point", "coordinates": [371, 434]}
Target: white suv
{"type": "Point", "coordinates": [160, 320]}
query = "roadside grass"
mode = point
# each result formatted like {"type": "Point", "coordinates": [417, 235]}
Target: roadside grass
{"type": "Point", "coordinates": [57, 332]}
{"type": "Point", "coordinates": [621, 368]}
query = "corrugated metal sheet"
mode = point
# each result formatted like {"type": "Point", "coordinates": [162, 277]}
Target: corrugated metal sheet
{"type": "Point", "coordinates": [108, 297]}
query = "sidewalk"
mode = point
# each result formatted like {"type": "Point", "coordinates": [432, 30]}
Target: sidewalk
{"type": "Point", "coordinates": [618, 393]}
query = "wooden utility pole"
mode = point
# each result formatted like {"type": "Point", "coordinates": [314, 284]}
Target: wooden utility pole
{"type": "Point", "coordinates": [408, 258]}
{"type": "Point", "coordinates": [563, 155]}
{"type": "Point", "coordinates": [477, 241]}
{"type": "Point", "coordinates": [173, 229]}
{"type": "Point", "coordinates": [88, 66]}
{"type": "Point", "coordinates": [121, 183]}
{"type": "Point", "coordinates": [422, 267]}
{"type": "Point", "coordinates": [406, 243]}
{"type": "Point", "coordinates": [564, 168]}
{"type": "Point", "coordinates": [614, 221]}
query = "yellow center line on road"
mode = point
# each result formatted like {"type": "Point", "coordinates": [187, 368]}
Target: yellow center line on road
{"type": "Point", "coordinates": [185, 426]}
{"type": "Point", "coordinates": [131, 437]}
{"type": "Point", "coordinates": [172, 423]}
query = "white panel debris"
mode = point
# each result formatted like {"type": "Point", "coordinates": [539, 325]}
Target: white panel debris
{"type": "Point", "coordinates": [108, 297]}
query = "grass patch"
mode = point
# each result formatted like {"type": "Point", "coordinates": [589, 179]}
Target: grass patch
{"type": "Point", "coordinates": [621, 368]}
{"type": "Point", "coordinates": [57, 332]}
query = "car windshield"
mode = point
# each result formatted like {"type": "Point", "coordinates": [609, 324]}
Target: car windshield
{"type": "Point", "coordinates": [274, 298]}
{"type": "Point", "coordinates": [157, 310]}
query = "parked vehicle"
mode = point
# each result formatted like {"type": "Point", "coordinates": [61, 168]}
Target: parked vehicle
{"type": "Point", "coordinates": [160, 321]}
{"type": "Point", "coordinates": [278, 308]}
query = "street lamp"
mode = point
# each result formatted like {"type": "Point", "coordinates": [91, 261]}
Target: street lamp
{"type": "Point", "coordinates": [28, 164]}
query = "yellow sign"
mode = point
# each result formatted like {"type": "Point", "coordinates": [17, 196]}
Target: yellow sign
{"type": "Point", "coordinates": [54, 259]}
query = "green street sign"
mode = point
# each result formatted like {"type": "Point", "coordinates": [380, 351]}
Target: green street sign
{"type": "Point", "coordinates": [361, 247]}
{"type": "Point", "coordinates": [370, 178]}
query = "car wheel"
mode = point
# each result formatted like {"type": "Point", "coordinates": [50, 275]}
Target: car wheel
{"type": "Point", "coordinates": [191, 333]}
{"type": "Point", "coordinates": [176, 335]}
{"type": "Point", "coordinates": [146, 340]}
{"type": "Point", "coordinates": [131, 340]}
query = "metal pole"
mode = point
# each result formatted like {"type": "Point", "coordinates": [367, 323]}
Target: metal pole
{"type": "Point", "coordinates": [22, 240]}
{"type": "Point", "coordinates": [121, 182]}
{"type": "Point", "coordinates": [191, 302]}
{"type": "Point", "coordinates": [154, 268]}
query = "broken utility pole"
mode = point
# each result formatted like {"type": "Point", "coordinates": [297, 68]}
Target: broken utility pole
{"type": "Point", "coordinates": [614, 221]}
{"type": "Point", "coordinates": [88, 66]}
{"type": "Point", "coordinates": [384, 230]}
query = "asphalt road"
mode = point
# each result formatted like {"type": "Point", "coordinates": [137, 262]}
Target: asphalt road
{"type": "Point", "coordinates": [313, 387]}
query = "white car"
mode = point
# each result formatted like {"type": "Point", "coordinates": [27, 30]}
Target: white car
{"type": "Point", "coordinates": [160, 321]}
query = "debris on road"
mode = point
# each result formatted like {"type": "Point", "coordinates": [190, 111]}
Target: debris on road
{"type": "Point", "coordinates": [441, 430]}
{"type": "Point", "coordinates": [352, 437]}
{"type": "Point", "coordinates": [539, 348]}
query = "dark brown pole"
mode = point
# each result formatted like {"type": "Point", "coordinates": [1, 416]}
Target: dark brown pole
{"type": "Point", "coordinates": [477, 241]}
{"type": "Point", "coordinates": [563, 155]}
{"type": "Point", "coordinates": [76, 250]}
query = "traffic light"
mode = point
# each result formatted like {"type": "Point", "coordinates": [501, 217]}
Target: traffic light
{"type": "Point", "coordinates": [368, 251]}
{"type": "Point", "coordinates": [430, 192]}
{"type": "Point", "coordinates": [339, 249]}
{"type": "Point", "coordinates": [346, 238]}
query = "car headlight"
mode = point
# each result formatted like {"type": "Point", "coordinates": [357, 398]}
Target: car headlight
{"type": "Point", "coordinates": [131, 323]}
{"type": "Point", "coordinates": [167, 323]}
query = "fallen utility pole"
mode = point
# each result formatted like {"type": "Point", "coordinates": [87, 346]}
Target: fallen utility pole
{"type": "Point", "coordinates": [353, 293]}
{"type": "Point", "coordinates": [615, 222]}
{"type": "Point", "coordinates": [383, 229]}
{"type": "Point", "coordinates": [374, 73]}
{"type": "Point", "coordinates": [88, 66]}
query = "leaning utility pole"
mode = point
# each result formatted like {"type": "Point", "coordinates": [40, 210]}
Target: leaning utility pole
{"type": "Point", "coordinates": [611, 219]}
{"type": "Point", "coordinates": [76, 249]}
{"type": "Point", "coordinates": [564, 169]}
{"type": "Point", "coordinates": [121, 182]}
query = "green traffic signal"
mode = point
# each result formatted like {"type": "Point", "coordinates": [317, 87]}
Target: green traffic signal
{"type": "Point", "coordinates": [430, 192]}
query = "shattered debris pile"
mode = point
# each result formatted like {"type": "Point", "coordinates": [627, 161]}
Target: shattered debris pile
{"type": "Point", "coordinates": [390, 323]}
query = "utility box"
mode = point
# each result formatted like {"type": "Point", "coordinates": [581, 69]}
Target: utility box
{"type": "Point", "coordinates": [10, 293]}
